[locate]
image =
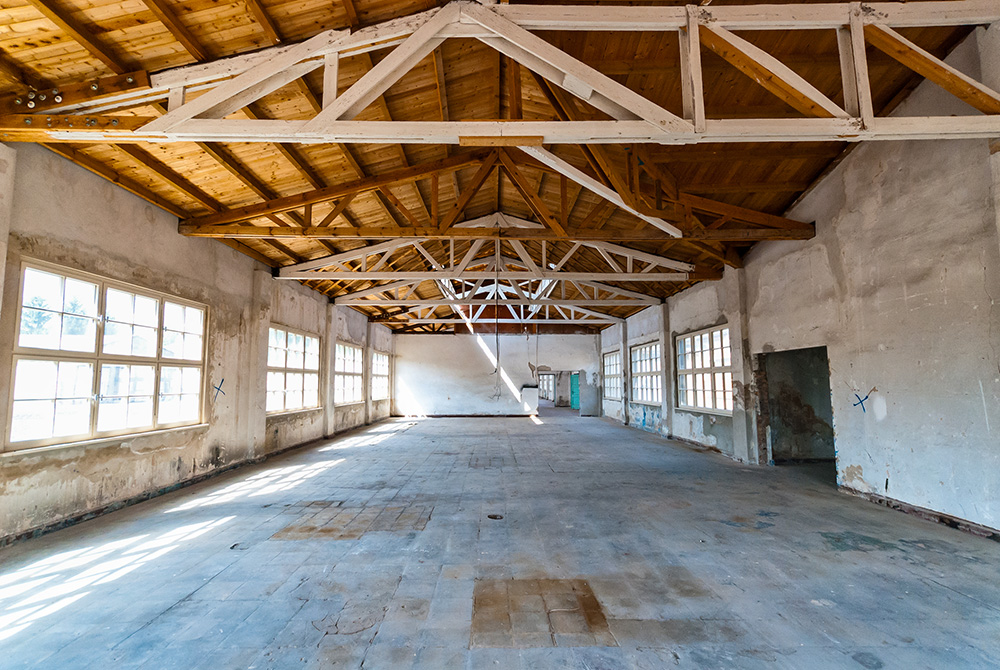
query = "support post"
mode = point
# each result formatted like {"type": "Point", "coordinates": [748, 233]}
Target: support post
{"type": "Point", "coordinates": [8, 162]}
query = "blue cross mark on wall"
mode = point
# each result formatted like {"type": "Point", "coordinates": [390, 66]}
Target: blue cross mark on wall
{"type": "Point", "coordinates": [861, 401]}
{"type": "Point", "coordinates": [218, 389]}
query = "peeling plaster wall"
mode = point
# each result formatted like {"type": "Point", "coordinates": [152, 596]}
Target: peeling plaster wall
{"type": "Point", "coordinates": [454, 375]}
{"type": "Point", "coordinates": [65, 215]}
{"type": "Point", "coordinates": [901, 284]}
{"type": "Point", "coordinates": [646, 327]}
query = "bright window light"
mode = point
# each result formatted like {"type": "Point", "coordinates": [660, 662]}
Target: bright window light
{"type": "Point", "coordinates": [97, 357]}
{"type": "Point", "coordinates": [704, 370]}
{"type": "Point", "coordinates": [380, 376]}
{"type": "Point", "coordinates": [613, 375]}
{"type": "Point", "coordinates": [292, 370]}
{"type": "Point", "coordinates": [348, 375]}
{"type": "Point", "coordinates": [647, 382]}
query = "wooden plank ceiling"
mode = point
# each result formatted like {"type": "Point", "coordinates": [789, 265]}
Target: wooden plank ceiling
{"type": "Point", "coordinates": [46, 44]}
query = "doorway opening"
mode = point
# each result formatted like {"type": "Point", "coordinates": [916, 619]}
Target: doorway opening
{"type": "Point", "coordinates": [559, 392]}
{"type": "Point", "coordinates": [799, 411]}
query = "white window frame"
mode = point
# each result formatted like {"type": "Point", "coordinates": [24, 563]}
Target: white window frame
{"type": "Point", "coordinates": [711, 373]}
{"type": "Point", "coordinates": [654, 375]}
{"type": "Point", "coordinates": [97, 358]}
{"type": "Point", "coordinates": [338, 374]}
{"type": "Point", "coordinates": [378, 377]}
{"type": "Point", "coordinates": [303, 370]}
{"type": "Point", "coordinates": [613, 379]}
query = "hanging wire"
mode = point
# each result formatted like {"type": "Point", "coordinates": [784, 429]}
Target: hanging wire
{"type": "Point", "coordinates": [496, 322]}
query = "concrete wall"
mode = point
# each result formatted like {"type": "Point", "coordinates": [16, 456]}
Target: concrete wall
{"type": "Point", "coordinates": [900, 284]}
{"type": "Point", "coordinates": [454, 374]}
{"type": "Point", "coordinates": [65, 215]}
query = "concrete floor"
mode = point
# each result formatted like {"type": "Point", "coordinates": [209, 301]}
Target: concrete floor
{"type": "Point", "coordinates": [378, 549]}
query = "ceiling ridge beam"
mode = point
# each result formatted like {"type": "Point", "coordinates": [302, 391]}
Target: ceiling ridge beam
{"type": "Point", "coordinates": [388, 232]}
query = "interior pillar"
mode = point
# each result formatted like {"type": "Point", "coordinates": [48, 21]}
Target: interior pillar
{"type": "Point", "coordinates": [7, 162]}
{"type": "Point", "coordinates": [744, 400]}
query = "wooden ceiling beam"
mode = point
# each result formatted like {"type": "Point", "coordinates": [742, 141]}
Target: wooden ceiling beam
{"type": "Point", "coordinates": [264, 20]}
{"type": "Point", "coordinates": [965, 88]}
{"type": "Point", "coordinates": [17, 72]}
{"type": "Point", "coordinates": [277, 205]}
{"type": "Point", "coordinates": [531, 198]}
{"type": "Point", "coordinates": [471, 190]}
{"type": "Point", "coordinates": [770, 73]}
{"type": "Point", "coordinates": [149, 162]}
{"type": "Point", "coordinates": [80, 34]}
{"type": "Point", "coordinates": [390, 232]}
{"type": "Point", "coordinates": [166, 16]}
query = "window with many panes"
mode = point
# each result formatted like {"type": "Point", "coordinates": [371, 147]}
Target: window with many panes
{"type": "Point", "coordinates": [704, 370]}
{"type": "Point", "coordinates": [348, 374]}
{"type": "Point", "coordinates": [613, 375]}
{"type": "Point", "coordinates": [547, 387]}
{"type": "Point", "coordinates": [647, 383]}
{"type": "Point", "coordinates": [96, 358]}
{"type": "Point", "coordinates": [292, 370]}
{"type": "Point", "coordinates": [380, 376]}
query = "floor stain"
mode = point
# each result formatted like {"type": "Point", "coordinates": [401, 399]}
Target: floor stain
{"type": "Point", "coordinates": [523, 613]}
{"type": "Point", "coordinates": [868, 660]}
{"type": "Point", "coordinates": [319, 522]}
{"type": "Point", "coordinates": [851, 541]}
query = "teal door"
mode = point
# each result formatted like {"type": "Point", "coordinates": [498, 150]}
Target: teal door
{"type": "Point", "coordinates": [574, 391]}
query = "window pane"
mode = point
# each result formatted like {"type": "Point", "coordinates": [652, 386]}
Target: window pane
{"type": "Point", "coordinates": [117, 338]}
{"type": "Point", "coordinates": [190, 407]}
{"type": "Point", "coordinates": [35, 380]}
{"type": "Point", "coordinates": [170, 380]}
{"type": "Point", "coordinates": [192, 347]}
{"type": "Point", "coordinates": [72, 417]}
{"type": "Point", "coordinates": [147, 311]}
{"type": "Point", "coordinates": [112, 413]}
{"type": "Point", "coordinates": [140, 412]}
{"type": "Point", "coordinates": [144, 341]}
{"type": "Point", "coordinates": [141, 380]}
{"type": "Point", "coordinates": [31, 420]}
{"type": "Point", "coordinates": [80, 298]}
{"type": "Point", "coordinates": [79, 333]}
{"type": "Point", "coordinates": [76, 380]}
{"type": "Point", "coordinates": [192, 381]}
{"type": "Point", "coordinates": [194, 321]}
{"type": "Point", "coordinates": [173, 344]}
{"type": "Point", "coordinates": [39, 329]}
{"type": "Point", "coordinates": [170, 409]}
{"type": "Point", "coordinates": [118, 306]}
{"type": "Point", "coordinates": [173, 316]}
{"type": "Point", "coordinates": [42, 289]}
{"type": "Point", "coordinates": [114, 380]}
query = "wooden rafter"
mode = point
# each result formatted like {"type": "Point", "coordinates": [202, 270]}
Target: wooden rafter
{"type": "Point", "coordinates": [80, 34]}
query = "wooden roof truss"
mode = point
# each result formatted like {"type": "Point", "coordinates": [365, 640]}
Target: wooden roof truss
{"type": "Point", "coordinates": [234, 83]}
{"type": "Point", "coordinates": [429, 258]}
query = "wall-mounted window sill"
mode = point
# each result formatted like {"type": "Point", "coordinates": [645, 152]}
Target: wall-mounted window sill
{"type": "Point", "coordinates": [103, 441]}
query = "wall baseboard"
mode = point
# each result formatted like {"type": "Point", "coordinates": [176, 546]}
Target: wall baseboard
{"type": "Point", "coordinates": [928, 514]}
{"type": "Point", "coordinates": [74, 519]}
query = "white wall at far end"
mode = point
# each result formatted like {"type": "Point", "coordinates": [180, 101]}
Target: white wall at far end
{"type": "Point", "coordinates": [454, 374]}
